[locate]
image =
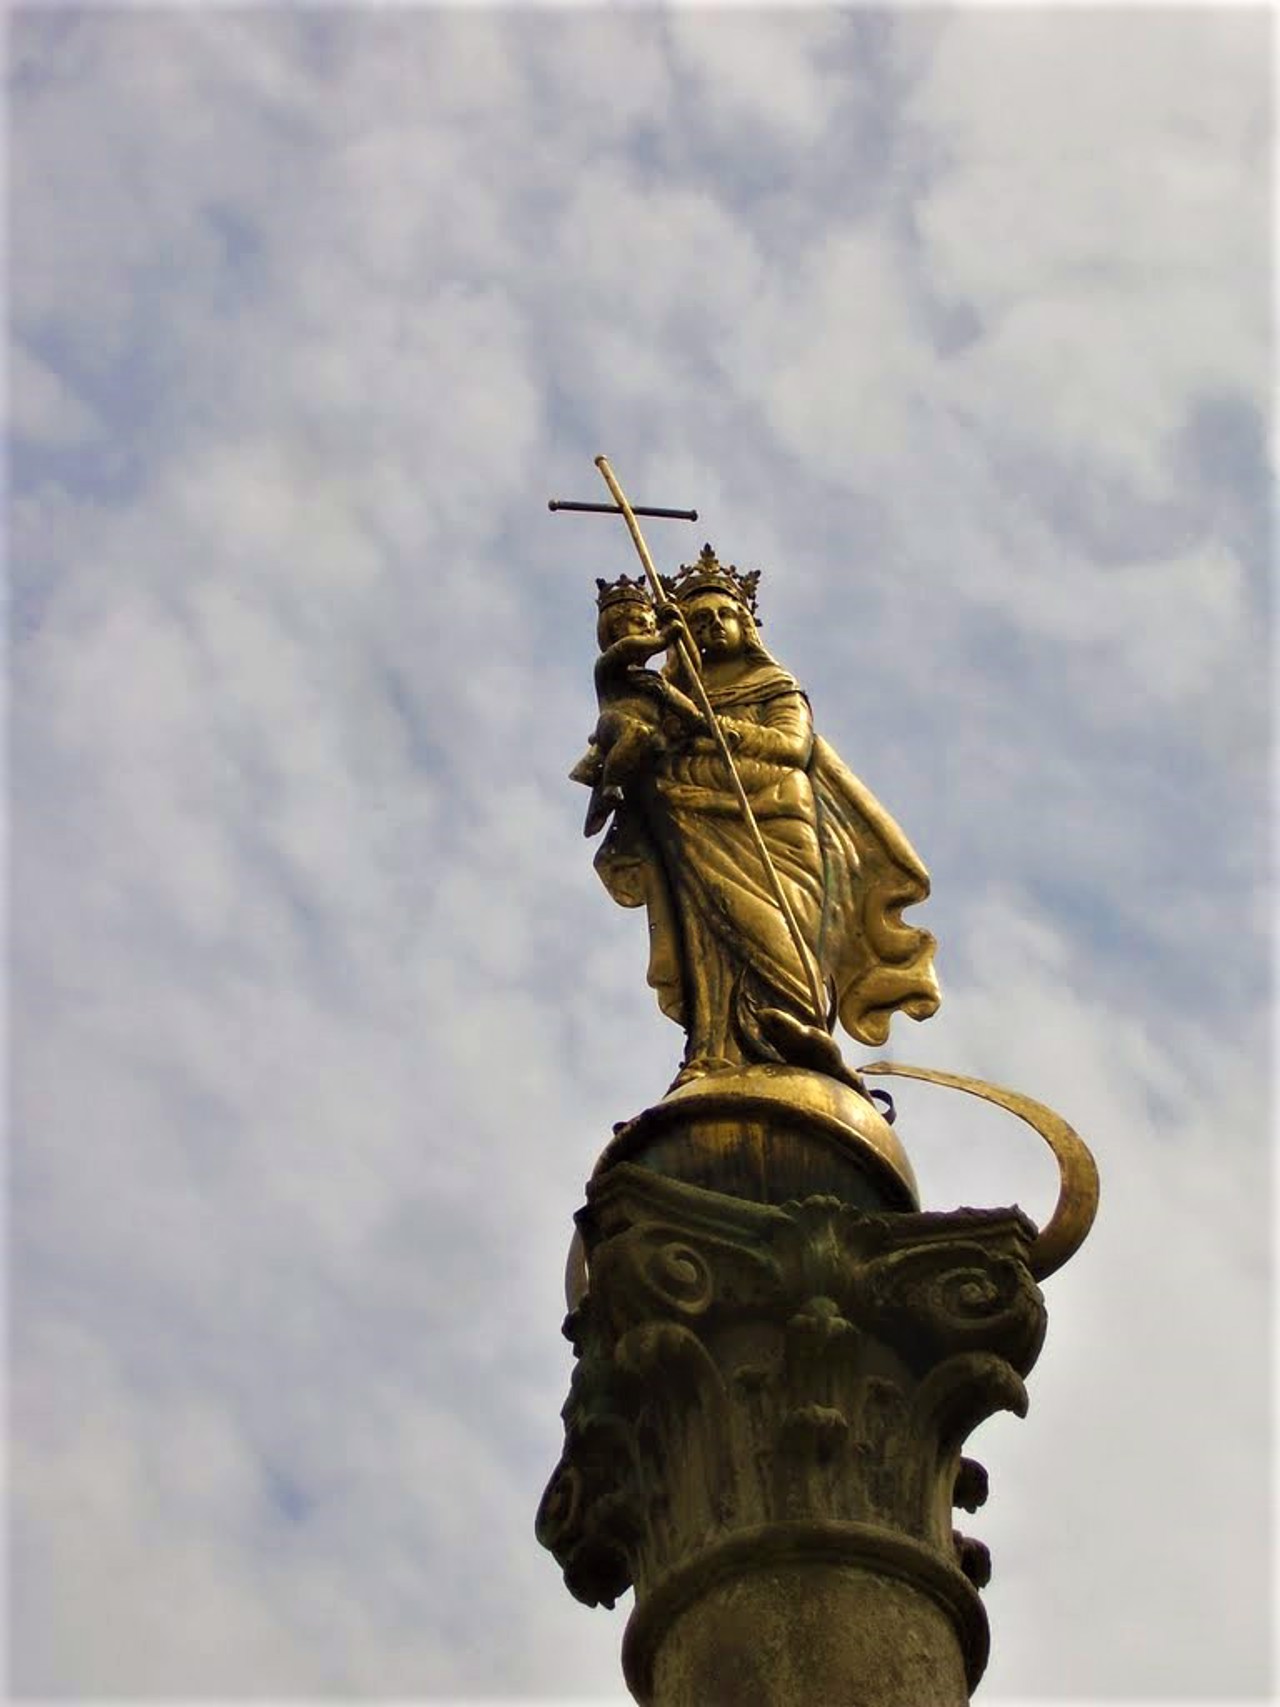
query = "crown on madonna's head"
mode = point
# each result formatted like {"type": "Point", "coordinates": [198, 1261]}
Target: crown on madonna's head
{"type": "Point", "coordinates": [624, 588]}
{"type": "Point", "coordinates": [708, 574]}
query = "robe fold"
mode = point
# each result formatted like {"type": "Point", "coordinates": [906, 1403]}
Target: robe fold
{"type": "Point", "coordinates": [719, 947]}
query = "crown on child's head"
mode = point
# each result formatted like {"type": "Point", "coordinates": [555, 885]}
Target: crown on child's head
{"type": "Point", "coordinates": [624, 588]}
{"type": "Point", "coordinates": [708, 574]}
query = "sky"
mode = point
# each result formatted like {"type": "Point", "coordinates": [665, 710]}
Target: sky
{"type": "Point", "coordinates": [956, 324]}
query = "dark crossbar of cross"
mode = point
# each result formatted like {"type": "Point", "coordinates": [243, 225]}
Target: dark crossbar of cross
{"type": "Point", "coordinates": [616, 510]}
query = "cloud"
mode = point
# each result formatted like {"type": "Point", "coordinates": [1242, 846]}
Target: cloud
{"type": "Point", "coordinates": [45, 411]}
{"type": "Point", "coordinates": [953, 324]}
{"type": "Point", "coordinates": [1109, 262]}
{"type": "Point", "coordinates": [758, 87]}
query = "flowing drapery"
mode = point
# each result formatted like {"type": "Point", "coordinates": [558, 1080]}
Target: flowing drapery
{"type": "Point", "coordinates": [720, 949]}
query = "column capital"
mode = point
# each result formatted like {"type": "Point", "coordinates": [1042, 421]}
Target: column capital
{"type": "Point", "coordinates": [777, 1387]}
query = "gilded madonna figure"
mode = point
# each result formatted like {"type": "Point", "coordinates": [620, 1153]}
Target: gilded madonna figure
{"type": "Point", "coordinates": [724, 960]}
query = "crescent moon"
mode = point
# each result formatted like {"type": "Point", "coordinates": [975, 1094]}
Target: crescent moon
{"type": "Point", "coordinates": [1073, 1215]}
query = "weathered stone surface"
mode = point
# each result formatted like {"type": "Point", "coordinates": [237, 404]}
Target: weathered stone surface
{"type": "Point", "coordinates": [768, 1637]}
{"type": "Point", "coordinates": [763, 1436]}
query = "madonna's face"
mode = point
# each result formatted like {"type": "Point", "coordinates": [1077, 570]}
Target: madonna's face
{"type": "Point", "coordinates": [716, 624]}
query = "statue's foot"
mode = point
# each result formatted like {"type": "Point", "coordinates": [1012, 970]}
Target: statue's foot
{"type": "Point", "coordinates": [802, 1045]}
{"type": "Point", "coordinates": [700, 1068]}
{"type": "Point", "coordinates": [603, 801]}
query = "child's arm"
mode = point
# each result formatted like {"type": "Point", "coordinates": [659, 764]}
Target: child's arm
{"type": "Point", "coordinates": [674, 700]}
{"type": "Point", "coordinates": [631, 649]}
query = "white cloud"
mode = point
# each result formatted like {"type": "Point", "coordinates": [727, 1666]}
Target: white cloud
{"type": "Point", "coordinates": [1092, 206]}
{"type": "Point", "coordinates": [758, 82]}
{"type": "Point", "coordinates": [320, 1014]}
{"type": "Point", "coordinates": [43, 409]}
{"type": "Point", "coordinates": [832, 361]}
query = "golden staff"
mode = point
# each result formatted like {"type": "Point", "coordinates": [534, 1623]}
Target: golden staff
{"type": "Point", "coordinates": [693, 664]}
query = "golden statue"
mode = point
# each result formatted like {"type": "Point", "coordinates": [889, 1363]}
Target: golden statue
{"type": "Point", "coordinates": [774, 884]}
{"type": "Point", "coordinates": [729, 963]}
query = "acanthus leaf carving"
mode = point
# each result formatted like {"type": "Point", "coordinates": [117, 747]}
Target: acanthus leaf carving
{"type": "Point", "coordinates": [747, 1364]}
